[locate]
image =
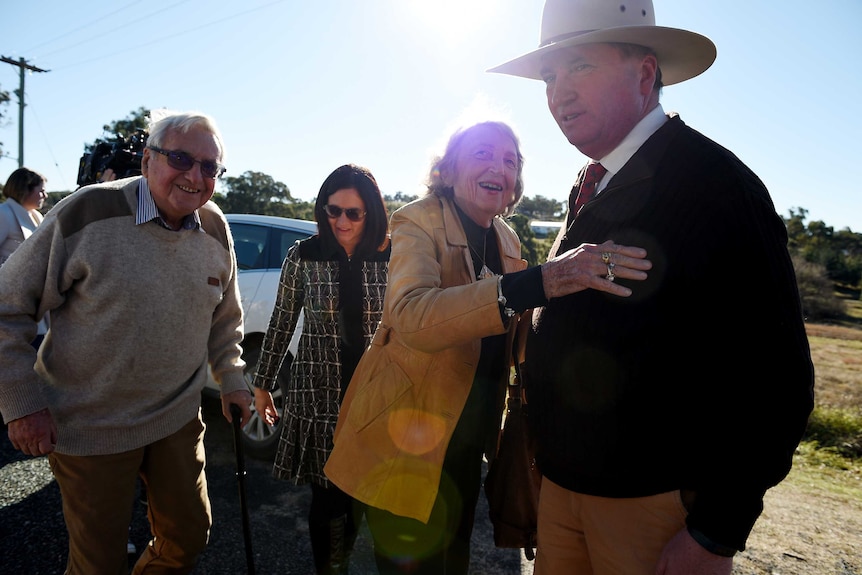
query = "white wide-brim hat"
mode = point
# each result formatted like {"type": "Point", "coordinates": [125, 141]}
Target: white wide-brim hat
{"type": "Point", "coordinates": [681, 54]}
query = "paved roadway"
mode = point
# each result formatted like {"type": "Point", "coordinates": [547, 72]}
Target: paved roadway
{"type": "Point", "coordinates": [33, 538]}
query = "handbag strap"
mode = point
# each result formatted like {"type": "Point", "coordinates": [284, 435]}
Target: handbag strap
{"type": "Point", "coordinates": [519, 344]}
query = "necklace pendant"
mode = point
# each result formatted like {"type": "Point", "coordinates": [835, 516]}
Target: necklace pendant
{"type": "Point", "coordinates": [485, 272]}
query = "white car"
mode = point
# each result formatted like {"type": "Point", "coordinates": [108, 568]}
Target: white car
{"type": "Point", "coordinates": [260, 243]}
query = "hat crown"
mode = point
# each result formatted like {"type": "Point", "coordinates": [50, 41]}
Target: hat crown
{"type": "Point", "coordinates": [568, 18]}
{"type": "Point", "coordinates": [568, 23]}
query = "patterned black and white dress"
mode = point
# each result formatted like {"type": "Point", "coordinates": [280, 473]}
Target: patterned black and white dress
{"type": "Point", "coordinates": [342, 301]}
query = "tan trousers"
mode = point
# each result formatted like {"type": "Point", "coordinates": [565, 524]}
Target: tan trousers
{"type": "Point", "coordinates": [98, 493]}
{"type": "Point", "coordinates": [587, 535]}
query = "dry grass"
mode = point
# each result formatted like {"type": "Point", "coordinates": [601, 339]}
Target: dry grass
{"type": "Point", "coordinates": [812, 521]}
{"type": "Point", "coordinates": [837, 354]}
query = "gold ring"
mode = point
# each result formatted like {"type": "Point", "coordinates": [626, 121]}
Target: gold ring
{"type": "Point", "coordinates": [606, 257]}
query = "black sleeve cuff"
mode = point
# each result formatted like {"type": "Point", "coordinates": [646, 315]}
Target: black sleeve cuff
{"type": "Point", "coordinates": [523, 290]}
{"type": "Point", "coordinates": [710, 545]}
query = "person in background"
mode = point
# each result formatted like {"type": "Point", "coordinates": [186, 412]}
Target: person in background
{"type": "Point", "coordinates": [336, 278]}
{"type": "Point", "coordinates": [426, 400]}
{"type": "Point", "coordinates": [665, 417]}
{"type": "Point", "coordinates": [19, 217]}
{"type": "Point", "coordinates": [139, 276]}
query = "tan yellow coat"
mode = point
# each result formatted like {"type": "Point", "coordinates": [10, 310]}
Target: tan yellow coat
{"type": "Point", "coordinates": [411, 385]}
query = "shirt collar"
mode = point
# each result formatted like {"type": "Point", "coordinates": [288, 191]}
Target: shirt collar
{"type": "Point", "coordinates": [148, 211]}
{"type": "Point", "coordinates": [618, 157]}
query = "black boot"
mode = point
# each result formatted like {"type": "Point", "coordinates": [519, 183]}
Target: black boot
{"type": "Point", "coordinates": [339, 546]}
{"type": "Point", "coordinates": [332, 545]}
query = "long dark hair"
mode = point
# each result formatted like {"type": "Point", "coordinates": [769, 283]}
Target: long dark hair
{"type": "Point", "coordinates": [351, 176]}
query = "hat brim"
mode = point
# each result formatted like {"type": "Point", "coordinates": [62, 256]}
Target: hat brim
{"type": "Point", "coordinates": [681, 54]}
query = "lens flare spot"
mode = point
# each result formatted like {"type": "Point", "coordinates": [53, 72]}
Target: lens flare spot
{"type": "Point", "coordinates": [416, 432]}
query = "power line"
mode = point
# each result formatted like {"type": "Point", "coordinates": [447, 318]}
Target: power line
{"type": "Point", "coordinates": [87, 25]}
{"type": "Point", "coordinates": [48, 145]}
{"type": "Point", "coordinates": [112, 30]}
{"type": "Point", "coordinates": [114, 52]}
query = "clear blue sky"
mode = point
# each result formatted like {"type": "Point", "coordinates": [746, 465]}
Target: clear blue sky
{"type": "Point", "coordinates": [300, 87]}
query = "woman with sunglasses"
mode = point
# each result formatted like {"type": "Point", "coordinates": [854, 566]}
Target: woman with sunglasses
{"type": "Point", "coordinates": [336, 278]}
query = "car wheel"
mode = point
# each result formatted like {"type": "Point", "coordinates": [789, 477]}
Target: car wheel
{"type": "Point", "coordinates": [260, 440]}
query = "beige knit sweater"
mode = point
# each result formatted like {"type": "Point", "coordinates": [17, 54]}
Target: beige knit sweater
{"type": "Point", "coordinates": [136, 313]}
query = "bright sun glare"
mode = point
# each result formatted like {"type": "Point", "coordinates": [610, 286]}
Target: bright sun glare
{"type": "Point", "coordinates": [451, 22]}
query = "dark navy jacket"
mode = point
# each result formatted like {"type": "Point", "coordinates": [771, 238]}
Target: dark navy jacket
{"type": "Point", "coordinates": [702, 379]}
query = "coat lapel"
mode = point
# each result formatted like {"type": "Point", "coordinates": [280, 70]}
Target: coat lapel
{"type": "Point", "coordinates": [27, 223]}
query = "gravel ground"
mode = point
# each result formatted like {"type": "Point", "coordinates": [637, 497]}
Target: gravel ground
{"type": "Point", "coordinates": [798, 534]}
{"type": "Point", "coordinates": [33, 538]}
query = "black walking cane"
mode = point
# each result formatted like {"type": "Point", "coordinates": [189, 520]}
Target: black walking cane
{"type": "Point", "coordinates": [236, 416]}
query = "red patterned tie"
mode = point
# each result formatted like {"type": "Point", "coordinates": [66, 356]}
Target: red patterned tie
{"type": "Point", "coordinates": [595, 172]}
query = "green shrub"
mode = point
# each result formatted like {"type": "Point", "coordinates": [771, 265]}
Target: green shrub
{"type": "Point", "coordinates": [839, 430]}
{"type": "Point", "coordinates": [819, 300]}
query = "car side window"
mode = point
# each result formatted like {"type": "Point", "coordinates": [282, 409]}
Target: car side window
{"type": "Point", "coordinates": [281, 242]}
{"type": "Point", "coordinates": [249, 242]}
{"type": "Point", "coordinates": [261, 247]}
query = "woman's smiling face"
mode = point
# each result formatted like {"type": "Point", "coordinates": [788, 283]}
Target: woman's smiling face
{"type": "Point", "coordinates": [485, 173]}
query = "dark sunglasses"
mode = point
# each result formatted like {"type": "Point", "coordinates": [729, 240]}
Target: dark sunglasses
{"type": "Point", "coordinates": [183, 162]}
{"type": "Point", "coordinates": [353, 214]}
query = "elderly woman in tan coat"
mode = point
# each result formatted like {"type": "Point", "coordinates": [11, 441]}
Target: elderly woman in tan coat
{"type": "Point", "coordinates": [426, 400]}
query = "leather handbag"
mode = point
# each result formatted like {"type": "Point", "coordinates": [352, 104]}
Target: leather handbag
{"type": "Point", "coordinates": [513, 481]}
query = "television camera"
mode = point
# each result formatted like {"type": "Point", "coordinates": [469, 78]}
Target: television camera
{"type": "Point", "coordinates": [123, 156]}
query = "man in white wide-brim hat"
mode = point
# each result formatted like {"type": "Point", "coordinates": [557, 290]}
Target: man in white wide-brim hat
{"type": "Point", "coordinates": [662, 418]}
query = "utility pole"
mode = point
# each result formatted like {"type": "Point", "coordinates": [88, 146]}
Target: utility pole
{"type": "Point", "coordinates": [22, 65]}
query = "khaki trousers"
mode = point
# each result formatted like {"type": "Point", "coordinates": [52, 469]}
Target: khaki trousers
{"type": "Point", "coordinates": [588, 535]}
{"type": "Point", "coordinates": [98, 494]}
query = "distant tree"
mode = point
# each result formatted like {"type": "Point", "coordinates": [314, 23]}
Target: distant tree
{"type": "Point", "coordinates": [396, 201]}
{"type": "Point", "coordinates": [838, 254]}
{"type": "Point", "coordinates": [121, 148]}
{"type": "Point", "coordinates": [848, 268]}
{"type": "Point", "coordinates": [529, 247]}
{"type": "Point", "coordinates": [817, 292]}
{"type": "Point", "coordinates": [136, 120]}
{"type": "Point", "coordinates": [121, 130]}
{"type": "Point", "coordinates": [400, 197]}
{"type": "Point", "coordinates": [541, 208]}
{"type": "Point", "coordinates": [795, 224]}
{"type": "Point", "coordinates": [299, 209]}
{"type": "Point", "coordinates": [258, 193]}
